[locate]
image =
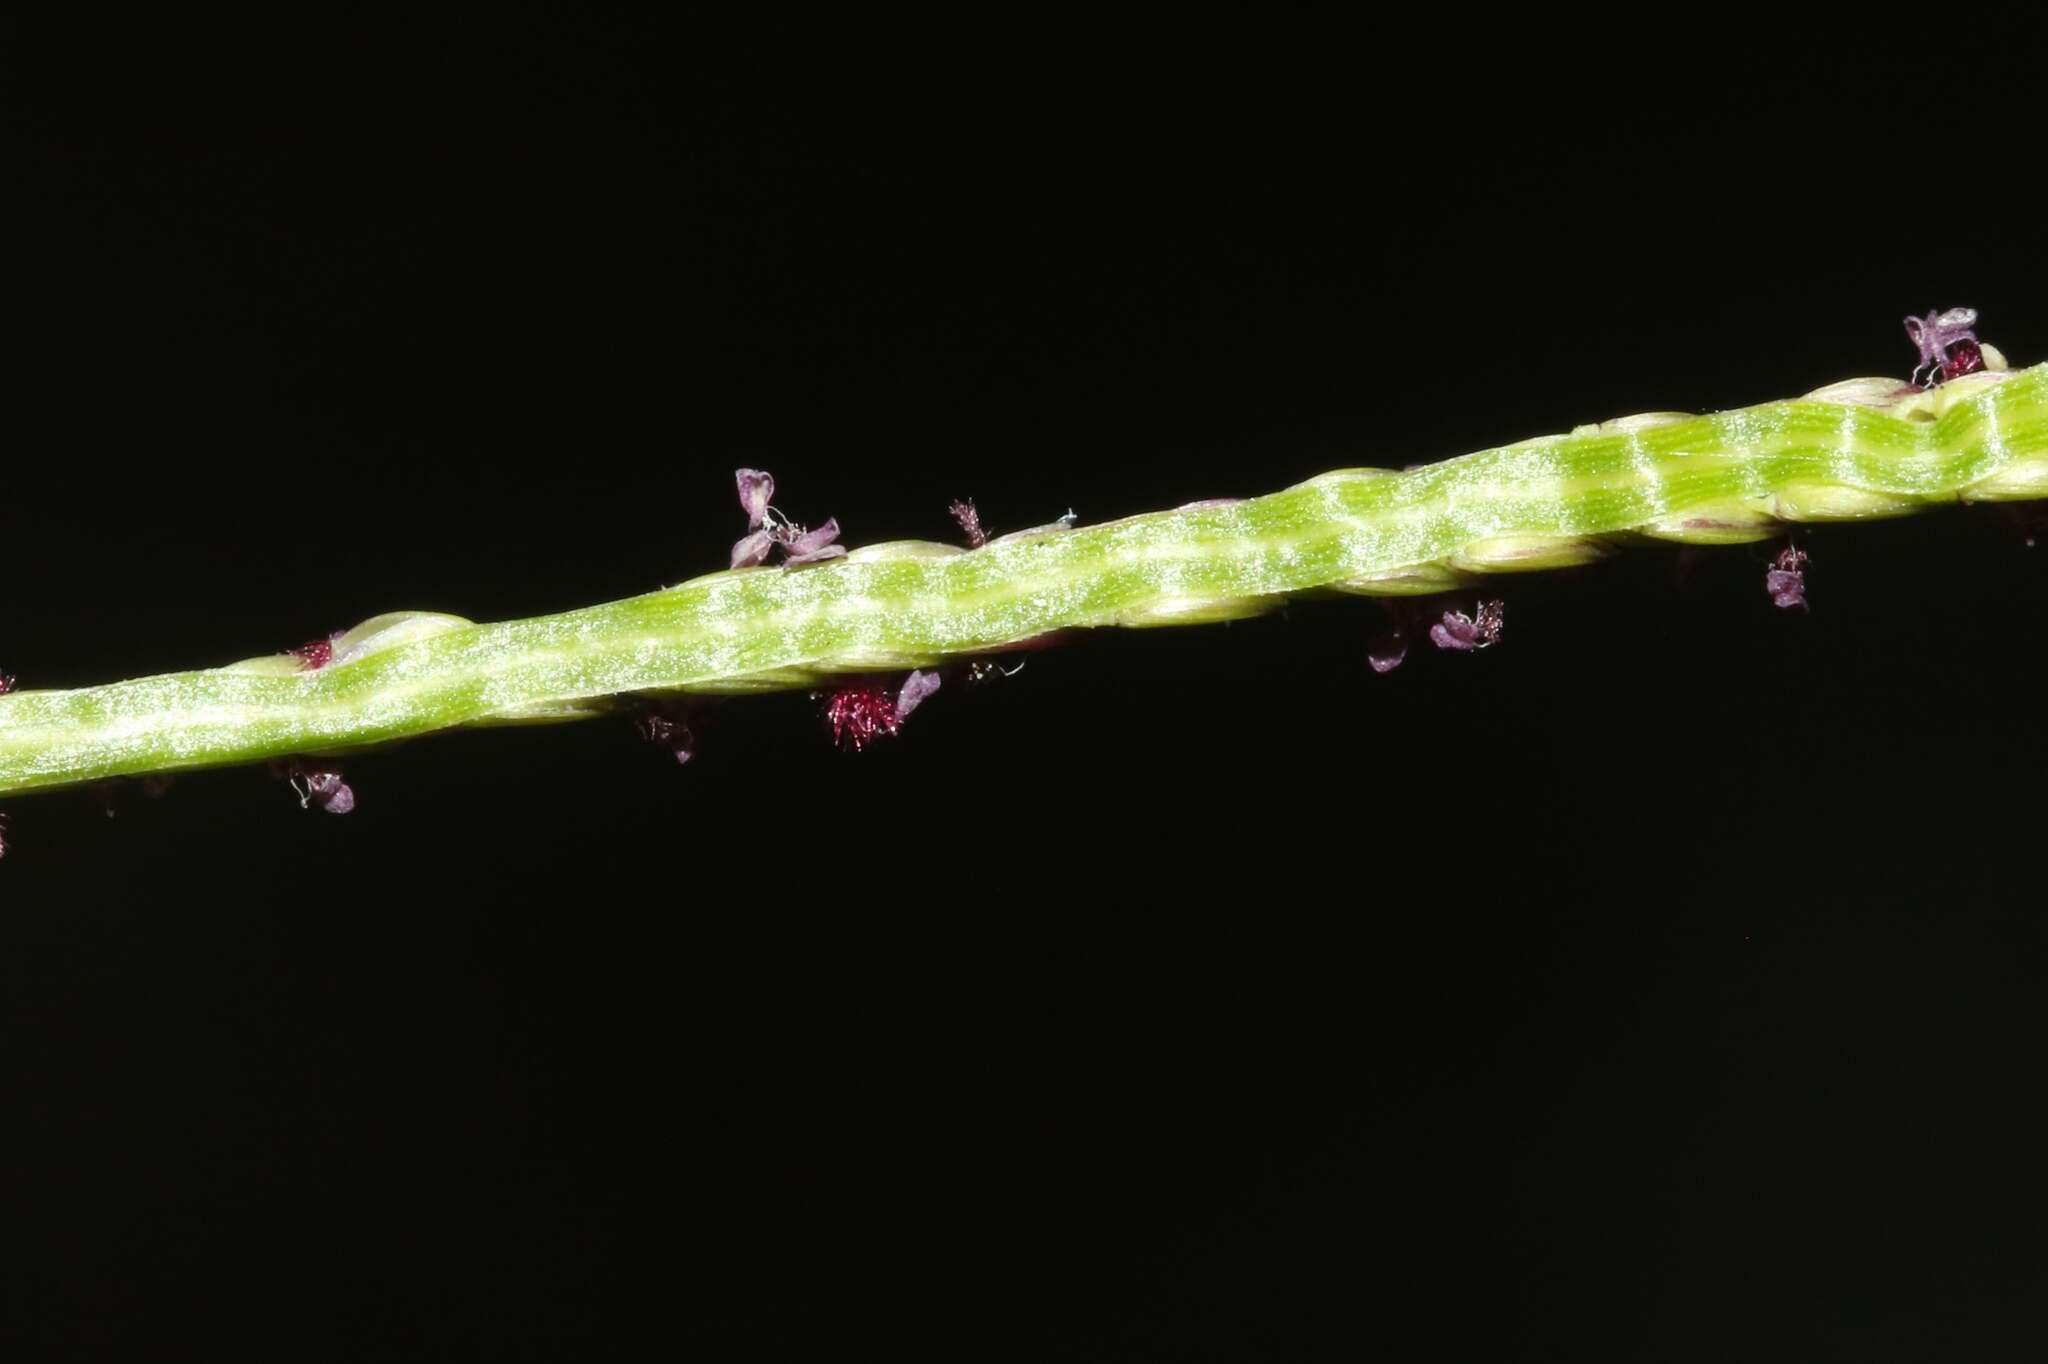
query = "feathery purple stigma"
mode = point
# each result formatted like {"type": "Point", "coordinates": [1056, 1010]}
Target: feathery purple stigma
{"type": "Point", "coordinates": [970, 522]}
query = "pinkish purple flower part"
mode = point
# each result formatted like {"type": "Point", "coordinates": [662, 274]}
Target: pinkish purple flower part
{"type": "Point", "coordinates": [1410, 618]}
{"type": "Point", "coordinates": [808, 546]}
{"type": "Point", "coordinates": [315, 654]}
{"type": "Point", "coordinates": [1786, 580]}
{"type": "Point", "coordinates": [324, 789]}
{"type": "Point", "coordinates": [768, 528]}
{"type": "Point", "coordinates": [752, 549]}
{"type": "Point", "coordinates": [1934, 334]}
{"type": "Point", "coordinates": [915, 689]}
{"type": "Point", "coordinates": [970, 522]}
{"type": "Point", "coordinates": [1462, 633]}
{"type": "Point", "coordinates": [756, 487]}
{"type": "Point", "coordinates": [1964, 357]}
{"type": "Point", "coordinates": [859, 713]}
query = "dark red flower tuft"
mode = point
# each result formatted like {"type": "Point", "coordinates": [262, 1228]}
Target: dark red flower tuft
{"type": "Point", "coordinates": [6, 683]}
{"type": "Point", "coordinates": [1964, 357]}
{"type": "Point", "coordinates": [860, 713]}
{"type": "Point", "coordinates": [314, 654]}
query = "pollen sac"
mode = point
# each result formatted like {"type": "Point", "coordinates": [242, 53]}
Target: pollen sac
{"type": "Point", "coordinates": [757, 489]}
{"type": "Point", "coordinates": [1462, 633]}
{"type": "Point", "coordinates": [809, 546]}
{"type": "Point", "coordinates": [328, 791]}
{"type": "Point", "coordinates": [1786, 580]}
{"type": "Point", "coordinates": [752, 549]}
{"type": "Point", "coordinates": [916, 687]}
{"type": "Point", "coordinates": [316, 786]}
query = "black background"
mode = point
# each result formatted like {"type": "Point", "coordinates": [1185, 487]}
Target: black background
{"type": "Point", "coordinates": [1665, 983]}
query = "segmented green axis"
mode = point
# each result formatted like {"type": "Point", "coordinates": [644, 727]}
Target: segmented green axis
{"type": "Point", "coordinates": [1858, 450]}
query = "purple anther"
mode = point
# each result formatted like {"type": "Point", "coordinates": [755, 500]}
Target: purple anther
{"type": "Point", "coordinates": [916, 687]}
{"type": "Point", "coordinates": [802, 546]}
{"type": "Point", "coordinates": [324, 789]}
{"type": "Point", "coordinates": [1786, 580]}
{"type": "Point", "coordinates": [1462, 633]}
{"type": "Point", "coordinates": [752, 549]}
{"type": "Point", "coordinates": [756, 487]}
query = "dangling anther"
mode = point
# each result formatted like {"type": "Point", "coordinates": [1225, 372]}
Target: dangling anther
{"type": "Point", "coordinates": [317, 786]}
{"type": "Point", "coordinates": [1462, 633]}
{"type": "Point", "coordinates": [1785, 580]}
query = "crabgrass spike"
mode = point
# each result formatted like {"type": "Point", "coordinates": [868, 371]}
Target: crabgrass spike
{"type": "Point", "coordinates": [1863, 449]}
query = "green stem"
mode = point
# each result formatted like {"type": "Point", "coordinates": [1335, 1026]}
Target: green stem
{"type": "Point", "coordinates": [1855, 451]}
